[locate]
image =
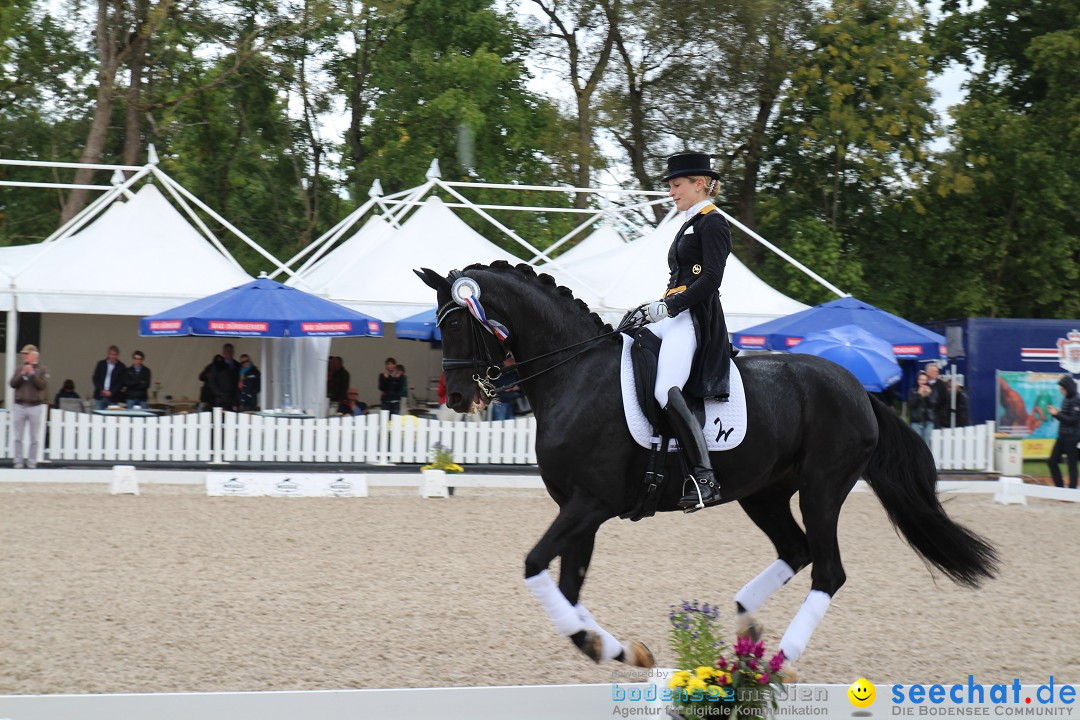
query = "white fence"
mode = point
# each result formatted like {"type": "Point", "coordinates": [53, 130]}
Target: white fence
{"type": "Point", "coordinates": [964, 448]}
{"type": "Point", "coordinates": [222, 437]}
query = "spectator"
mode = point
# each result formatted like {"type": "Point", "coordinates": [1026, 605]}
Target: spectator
{"type": "Point", "coordinates": [1068, 417]}
{"type": "Point", "coordinates": [249, 385]}
{"type": "Point", "coordinates": [206, 394]}
{"type": "Point", "coordinates": [404, 397]}
{"type": "Point", "coordinates": [30, 382]}
{"type": "Point", "coordinates": [67, 391]}
{"type": "Point", "coordinates": [390, 387]}
{"type": "Point", "coordinates": [337, 380]}
{"type": "Point", "coordinates": [920, 408]}
{"type": "Point", "coordinates": [963, 418]}
{"type": "Point", "coordinates": [504, 409]}
{"type": "Point", "coordinates": [939, 398]}
{"type": "Point", "coordinates": [351, 405]}
{"type": "Point", "coordinates": [218, 386]}
{"type": "Point", "coordinates": [232, 367]}
{"type": "Point", "coordinates": [108, 379]}
{"type": "Point", "coordinates": [137, 382]}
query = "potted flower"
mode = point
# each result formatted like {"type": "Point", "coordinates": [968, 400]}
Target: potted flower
{"type": "Point", "coordinates": [714, 679]}
{"type": "Point", "coordinates": [442, 462]}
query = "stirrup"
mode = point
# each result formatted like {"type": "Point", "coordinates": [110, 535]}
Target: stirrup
{"type": "Point", "coordinates": [701, 498]}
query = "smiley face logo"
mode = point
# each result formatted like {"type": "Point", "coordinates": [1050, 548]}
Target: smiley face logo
{"type": "Point", "coordinates": [861, 693]}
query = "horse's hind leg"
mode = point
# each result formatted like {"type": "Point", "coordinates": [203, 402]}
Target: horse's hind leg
{"type": "Point", "coordinates": [820, 510]}
{"type": "Point", "coordinates": [770, 510]}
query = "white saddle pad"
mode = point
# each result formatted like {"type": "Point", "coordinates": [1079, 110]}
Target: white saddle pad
{"type": "Point", "coordinates": [725, 422]}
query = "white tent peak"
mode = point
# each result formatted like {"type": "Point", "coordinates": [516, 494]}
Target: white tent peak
{"type": "Point", "coordinates": [136, 258]}
{"type": "Point", "coordinates": [638, 271]}
{"type": "Point", "coordinates": [383, 284]}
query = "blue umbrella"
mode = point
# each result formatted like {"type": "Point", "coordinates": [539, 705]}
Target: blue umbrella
{"type": "Point", "coordinates": [908, 340]}
{"type": "Point", "coordinates": [261, 308]}
{"type": "Point", "coordinates": [869, 358]}
{"type": "Point", "coordinates": [419, 327]}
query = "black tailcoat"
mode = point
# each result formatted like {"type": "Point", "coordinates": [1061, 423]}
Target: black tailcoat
{"type": "Point", "coordinates": [697, 259]}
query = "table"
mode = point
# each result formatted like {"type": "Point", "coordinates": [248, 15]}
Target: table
{"type": "Point", "coordinates": [124, 412]}
{"type": "Point", "coordinates": [283, 414]}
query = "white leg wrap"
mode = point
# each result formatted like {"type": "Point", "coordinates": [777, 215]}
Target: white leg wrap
{"type": "Point", "coordinates": [757, 591]}
{"type": "Point", "coordinates": [803, 625]}
{"type": "Point", "coordinates": [558, 608]}
{"type": "Point", "coordinates": [612, 647]}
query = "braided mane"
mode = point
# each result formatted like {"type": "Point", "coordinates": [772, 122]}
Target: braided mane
{"type": "Point", "coordinates": [548, 284]}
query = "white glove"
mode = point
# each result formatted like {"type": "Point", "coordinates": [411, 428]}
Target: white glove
{"type": "Point", "coordinates": [656, 311]}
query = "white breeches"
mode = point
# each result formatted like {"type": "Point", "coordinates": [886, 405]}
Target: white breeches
{"type": "Point", "coordinates": [677, 349]}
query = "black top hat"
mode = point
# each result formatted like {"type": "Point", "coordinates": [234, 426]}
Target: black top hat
{"type": "Point", "coordinates": [689, 164]}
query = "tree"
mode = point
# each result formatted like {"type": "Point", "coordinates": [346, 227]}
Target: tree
{"type": "Point", "coordinates": [451, 86]}
{"type": "Point", "coordinates": [39, 113]}
{"type": "Point", "coordinates": [850, 139]}
{"type": "Point", "coordinates": [580, 36]}
{"type": "Point", "coordinates": [1002, 202]}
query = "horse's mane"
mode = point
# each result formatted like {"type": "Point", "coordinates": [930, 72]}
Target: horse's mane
{"type": "Point", "coordinates": [548, 284]}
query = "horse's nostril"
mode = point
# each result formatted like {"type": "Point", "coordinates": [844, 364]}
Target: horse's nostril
{"type": "Point", "coordinates": [453, 399]}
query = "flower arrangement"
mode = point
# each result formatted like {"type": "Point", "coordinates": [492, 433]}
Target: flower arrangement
{"type": "Point", "coordinates": [725, 681]}
{"type": "Point", "coordinates": [443, 459]}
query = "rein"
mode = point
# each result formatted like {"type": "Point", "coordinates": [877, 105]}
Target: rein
{"type": "Point", "coordinates": [634, 318]}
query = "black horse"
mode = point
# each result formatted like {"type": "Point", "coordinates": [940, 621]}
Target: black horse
{"type": "Point", "coordinates": [811, 429]}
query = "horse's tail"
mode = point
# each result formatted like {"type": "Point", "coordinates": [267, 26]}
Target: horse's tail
{"type": "Point", "coordinates": [902, 473]}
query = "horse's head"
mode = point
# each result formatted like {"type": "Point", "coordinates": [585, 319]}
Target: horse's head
{"type": "Point", "coordinates": [473, 349]}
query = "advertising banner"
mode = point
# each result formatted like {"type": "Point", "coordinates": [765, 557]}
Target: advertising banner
{"type": "Point", "coordinates": [1022, 399]}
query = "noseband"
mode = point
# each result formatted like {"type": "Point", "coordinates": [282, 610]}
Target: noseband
{"type": "Point", "coordinates": [465, 294]}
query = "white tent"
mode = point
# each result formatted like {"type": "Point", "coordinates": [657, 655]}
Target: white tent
{"type": "Point", "coordinates": [383, 284]}
{"type": "Point", "coordinates": [346, 260]}
{"type": "Point", "coordinates": [638, 271]}
{"type": "Point", "coordinates": [137, 258]}
{"type": "Point", "coordinates": [601, 240]}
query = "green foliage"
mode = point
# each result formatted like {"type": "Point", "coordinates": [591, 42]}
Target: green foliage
{"type": "Point", "coordinates": [1002, 202]}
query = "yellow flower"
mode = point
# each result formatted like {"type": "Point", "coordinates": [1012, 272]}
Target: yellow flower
{"type": "Point", "coordinates": [704, 672]}
{"type": "Point", "coordinates": [679, 679]}
{"type": "Point", "coordinates": [696, 684]}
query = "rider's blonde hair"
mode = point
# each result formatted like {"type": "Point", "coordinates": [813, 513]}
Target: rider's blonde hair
{"type": "Point", "coordinates": [712, 185]}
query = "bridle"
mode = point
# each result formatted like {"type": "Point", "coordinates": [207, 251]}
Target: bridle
{"type": "Point", "coordinates": [465, 295]}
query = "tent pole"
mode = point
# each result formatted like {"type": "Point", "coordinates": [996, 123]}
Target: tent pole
{"type": "Point", "coordinates": [9, 353]}
{"type": "Point", "coordinates": [265, 373]}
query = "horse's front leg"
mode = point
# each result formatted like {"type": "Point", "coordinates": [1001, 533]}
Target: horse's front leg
{"type": "Point", "coordinates": [571, 537]}
{"type": "Point", "coordinates": [594, 641]}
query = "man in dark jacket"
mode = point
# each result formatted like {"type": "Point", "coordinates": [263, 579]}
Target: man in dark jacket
{"type": "Point", "coordinates": [108, 379]}
{"type": "Point", "coordinates": [1068, 417]}
{"type": "Point", "coordinates": [137, 381]}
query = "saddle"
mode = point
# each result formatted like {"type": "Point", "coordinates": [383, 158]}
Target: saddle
{"type": "Point", "coordinates": [724, 423]}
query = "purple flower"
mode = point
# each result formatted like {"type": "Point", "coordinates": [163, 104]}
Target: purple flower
{"type": "Point", "coordinates": [777, 661]}
{"type": "Point", "coordinates": [743, 645]}
{"type": "Point", "coordinates": [721, 663]}
{"type": "Point", "coordinates": [764, 678]}
{"type": "Point", "coordinates": [752, 664]}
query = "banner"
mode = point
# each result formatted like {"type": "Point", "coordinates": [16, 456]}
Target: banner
{"type": "Point", "coordinates": [223, 484]}
{"type": "Point", "coordinates": [1022, 399]}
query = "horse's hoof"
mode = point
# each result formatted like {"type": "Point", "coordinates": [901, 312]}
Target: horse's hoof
{"type": "Point", "coordinates": [593, 646]}
{"type": "Point", "coordinates": [746, 626]}
{"type": "Point", "coordinates": [788, 673]}
{"type": "Point", "coordinates": [638, 655]}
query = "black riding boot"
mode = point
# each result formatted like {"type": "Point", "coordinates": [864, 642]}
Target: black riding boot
{"type": "Point", "coordinates": [706, 490]}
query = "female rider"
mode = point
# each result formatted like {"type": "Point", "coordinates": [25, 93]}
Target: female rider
{"type": "Point", "coordinates": [694, 350]}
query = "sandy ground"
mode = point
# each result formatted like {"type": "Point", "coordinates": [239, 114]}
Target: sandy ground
{"type": "Point", "coordinates": [176, 591]}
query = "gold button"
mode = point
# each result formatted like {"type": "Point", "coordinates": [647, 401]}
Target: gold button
{"type": "Point", "coordinates": [697, 270]}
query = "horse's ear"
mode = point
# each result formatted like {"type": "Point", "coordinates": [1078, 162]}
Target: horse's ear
{"type": "Point", "coordinates": [433, 280]}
